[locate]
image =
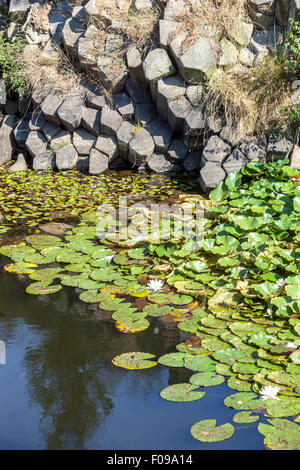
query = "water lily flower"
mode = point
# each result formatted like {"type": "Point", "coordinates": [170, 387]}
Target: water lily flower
{"type": "Point", "coordinates": [109, 257]}
{"type": "Point", "coordinates": [280, 282]}
{"type": "Point", "coordinates": [155, 284]}
{"type": "Point", "coordinates": [269, 392]}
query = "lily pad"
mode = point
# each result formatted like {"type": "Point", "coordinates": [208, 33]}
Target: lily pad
{"type": "Point", "coordinates": [134, 360]}
{"type": "Point", "coordinates": [207, 431]}
{"type": "Point", "coordinates": [181, 392]}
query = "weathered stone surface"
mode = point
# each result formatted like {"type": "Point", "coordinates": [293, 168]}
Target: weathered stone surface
{"type": "Point", "coordinates": [71, 112]}
{"type": "Point", "coordinates": [216, 150]}
{"type": "Point", "coordinates": [117, 163]}
{"type": "Point", "coordinates": [198, 62]}
{"type": "Point", "coordinates": [111, 73]}
{"type": "Point", "coordinates": [294, 12]}
{"type": "Point", "coordinates": [91, 120]}
{"type": "Point", "coordinates": [83, 141]}
{"type": "Point", "coordinates": [43, 161]}
{"type": "Point", "coordinates": [123, 104]}
{"type": "Point", "coordinates": [157, 65]}
{"type": "Point", "coordinates": [260, 19]}
{"type": "Point", "coordinates": [50, 130]}
{"type": "Point", "coordinates": [111, 121]}
{"type": "Point", "coordinates": [57, 22]}
{"type": "Point", "coordinates": [124, 136]}
{"type": "Point", "coordinates": [89, 47]}
{"type": "Point", "coordinates": [194, 94]}
{"type": "Point", "coordinates": [107, 145]}
{"type": "Point", "coordinates": [11, 107]}
{"type": "Point", "coordinates": [161, 134]}
{"type": "Point", "coordinates": [241, 33]}
{"type": "Point", "coordinates": [282, 12]}
{"type": "Point", "coordinates": [80, 14]}
{"type": "Point", "coordinates": [36, 143]}
{"type": "Point", "coordinates": [114, 44]}
{"type": "Point", "coordinates": [215, 123]}
{"type": "Point", "coordinates": [229, 53]}
{"type": "Point", "coordinates": [254, 149]}
{"type": "Point", "coordinates": [19, 8]}
{"type": "Point", "coordinates": [159, 163]}
{"type": "Point", "coordinates": [295, 158]}
{"type": "Point", "coordinates": [19, 165]}
{"type": "Point", "coordinates": [82, 163]}
{"type": "Point", "coordinates": [21, 132]}
{"type": "Point", "coordinates": [71, 32]}
{"type": "Point", "coordinates": [144, 112]}
{"type": "Point", "coordinates": [166, 28]}
{"type": "Point", "coordinates": [278, 147]}
{"type": "Point", "coordinates": [246, 57]}
{"type": "Point", "coordinates": [168, 89]}
{"type": "Point", "coordinates": [50, 107]}
{"type": "Point", "coordinates": [94, 98]}
{"type": "Point", "coordinates": [66, 157]}
{"type": "Point", "coordinates": [193, 161]}
{"type": "Point", "coordinates": [230, 135]}
{"type": "Point", "coordinates": [60, 140]}
{"type": "Point", "coordinates": [140, 148]}
{"type": "Point", "coordinates": [194, 127]}
{"type": "Point", "coordinates": [55, 228]}
{"type": "Point", "coordinates": [211, 175]}
{"type": "Point", "coordinates": [139, 92]}
{"type": "Point", "coordinates": [234, 162]}
{"type": "Point", "coordinates": [177, 151]}
{"type": "Point", "coordinates": [177, 112]}
{"type": "Point", "coordinates": [267, 7]}
{"type": "Point", "coordinates": [37, 121]}
{"type": "Point", "coordinates": [135, 64]}
{"type": "Point", "coordinates": [98, 162]}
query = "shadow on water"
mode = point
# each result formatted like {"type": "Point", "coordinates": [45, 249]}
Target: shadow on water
{"type": "Point", "coordinates": [59, 389]}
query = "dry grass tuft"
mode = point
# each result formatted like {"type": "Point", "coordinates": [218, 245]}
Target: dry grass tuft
{"type": "Point", "coordinates": [44, 74]}
{"type": "Point", "coordinates": [253, 101]}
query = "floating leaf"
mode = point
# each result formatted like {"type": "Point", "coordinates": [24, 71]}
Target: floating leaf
{"type": "Point", "coordinates": [134, 360]}
{"type": "Point", "coordinates": [207, 431]}
{"type": "Point", "coordinates": [181, 392]}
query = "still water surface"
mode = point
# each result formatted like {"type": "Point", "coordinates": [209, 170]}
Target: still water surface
{"type": "Point", "coordinates": [59, 389]}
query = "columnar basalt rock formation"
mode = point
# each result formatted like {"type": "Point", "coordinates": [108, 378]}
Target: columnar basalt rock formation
{"type": "Point", "coordinates": [137, 107]}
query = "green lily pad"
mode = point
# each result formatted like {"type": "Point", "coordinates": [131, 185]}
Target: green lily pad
{"type": "Point", "coordinates": [134, 360]}
{"type": "Point", "coordinates": [245, 417]}
{"type": "Point", "coordinates": [181, 392]}
{"type": "Point", "coordinates": [207, 431]}
{"type": "Point", "coordinates": [206, 379]}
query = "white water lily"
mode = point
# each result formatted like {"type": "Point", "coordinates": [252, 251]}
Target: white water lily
{"type": "Point", "coordinates": [269, 391]}
{"type": "Point", "coordinates": [280, 282]}
{"type": "Point", "coordinates": [155, 284]}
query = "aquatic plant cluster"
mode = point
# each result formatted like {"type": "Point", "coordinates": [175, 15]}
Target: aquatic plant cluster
{"type": "Point", "coordinates": [235, 293]}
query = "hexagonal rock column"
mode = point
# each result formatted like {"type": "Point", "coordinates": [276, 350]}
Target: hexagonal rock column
{"type": "Point", "coordinates": [254, 149]}
{"type": "Point", "coordinates": [211, 175]}
{"type": "Point", "coordinates": [140, 148]}
{"type": "Point", "coordinates": [198, 62]}
{"type": "Point", "coordinates": [216, 150]}
{"type": "Point", "coordinates": [177, 112]}
{"type": "Point", "coordinates": [91, 120]}
{"type": "Point", "coordinates": [157, 64]}
{"type": "Point", "coordinates": [19, 165]}
{"type": "Point", "coordinates": [50, 107]}
{"type": "Point", "coordinates": [83, 141]}
{"type": "Point", "coordinates": [66, 157]}
{"type": "Point", "coordinates": [159, 163]}
{"type": "Point", "coordinates": [43, 161]}
{"type": "Point", "coordinates": [98, 162]}
{"type": "Point", "coordinates": [138, 92]}
{"type": "Point", "coordinates": [194, 127]}
{"type": "Point", "coordinates": [71, 32]}
{"type": "Point", "coordinates": [124, 136]}
{"type": "Point", "coordinates": [193, 161]}
{"type": "Point", "coordinates": [108, 145]}
{"type": "Point", "coordinates": [71, 112]}
{"type": "Point", "coordinates": [278, 147]}
{"type": "Point", "coordinates": [21, 132]}
{"type": "Point", "coordinates": [36, 143]}
{"type": "Point", "coordinates": [161, 133]}
{"type": "Point", "coordinates": [295, 158]}
{"type": "Point", "coordinates": [234, 162]}
{"type": "Point", "coordinates": [123, 104]}
{"type": "Point", "coordinates": [6, 138]}
{"type": "Point", "coordinates": [168, 89]}
{"type": "Point", "coordinates": [111, 121]}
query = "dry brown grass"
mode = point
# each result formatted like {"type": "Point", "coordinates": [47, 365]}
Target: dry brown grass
{"type": "Point", "coordinates": [252, 101]}
{"type": "Point", "coordinates": [44, 74]}
{"type": "Point", "coordinates": [219, 17]}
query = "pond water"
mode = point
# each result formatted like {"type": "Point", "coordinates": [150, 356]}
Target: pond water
{"type": "Point", "coordinates": [60, 390]}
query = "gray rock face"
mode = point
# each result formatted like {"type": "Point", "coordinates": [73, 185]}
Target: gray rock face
{"type": "Point", "coordinates": [6, 138]}
{"type": "Point", "coordinates": [11, 106]}
{"type": "Point", "coordinates": [107, 145]}
{"type": "Point", "coordinates": [60, 140]}
{"type": "Point", "coordinates": [161, 134]}
{"type": "Point", "coordinates": [98, 162]}
{"type": "Point", "coordinates": [282, 12]}
{"type": "Point", "coordinates": [21, 132]}
{"type": "Point", "coordinates": [193, 161]}
{"type": "Point", "coordinates": [43, 161]}
{"type": "Point", "coordinates": [211, 175]}
{"type": "Point", "coordinates": [197, 62]}
{"type": "Point", "coordinates": [166, 28]}
{"type": "Point", "coordinates": [111, 121]}
{"type": "Point", "coordinates": [260, 19]}
{"type": "Point", "coordinates": [71, 32]}
{"type": "Point", "coordinates": [194, 127]}
{"type": "Point", "coordinates": [177, 151]}
{"type": "Point", "coordinates": [66, 157]}
{"type": "Point", "coordinates": [94, 98]}
{"type": "Point", "coordinates": [278, 147]}
{"type": "Point", "coordinates": [254, 149]}
{"type": "Point", "coordinates": [229, 135]}
{"type": "Point", "coordinates": [124, 136]}
{"type": "Point", "coordinates": [158, 163]}
{"type": "Point", "coordinates": [50, 107]}
{"type": "Point", "coordinates": [19, 165]}
{"type": "Point", "coordinates": [137, 91]}
{"type": "Point", "coordinates": [157, 65]}
{"type": "Point", "coordinates": [295, 10]}
{"type": "Point", "coordinates": [37, 121]}
{"type": "Point", "coordinates": [19, 7]}
{"type": "Point", "coordinates": [140, 148]}
{"type": "Point", "coordinates": [51, 130]}
{"type": "Point", "coordinates": [83, 141]}
{"type": "Point", "coordinates": [144, 112]}
{"type": "Point", "coordinates": [91, 120]}
{"type": "Point", "coordinates": [295, 158]}
{"type": "Point", "coordinates": [267, 7]}
{"type": "Point", "coordinates": [71, 112]}
{"type": "Point", "coordinates": [57, 22]}
{"type": "Point", "coordinates": [36, 143]}
{"type": "Point", "coordinates": [234, 162]}
{"type": "Point", "coordinates": [177, 112]}
{"type": "Point", "coordinates": [124, 105]}
{"type": "Point", "coordinates": [82, 163]}
{"type": "Point", "coordinates": [216, 150]}
{"type": "Point", "coordinates": [194, 94]}
{"type": "Point", "coordinates": [111, 73]}
{"type": "Point", "coordinates": [135, 64]}
{"type": "Point", "coordinates": [168, 89]}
